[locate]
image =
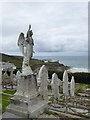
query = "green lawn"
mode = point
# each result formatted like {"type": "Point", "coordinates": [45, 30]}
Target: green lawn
{"type": "Point", "coordinates": [0, 98]}
{"type": "Point", "coordinates": [6, 98]}
{"type": "Point", "coordinates": [5, 101]}
{"type": "Point", "coordinates": [9, 91]}
{"type": "Point", "coordinates": [0, 103]}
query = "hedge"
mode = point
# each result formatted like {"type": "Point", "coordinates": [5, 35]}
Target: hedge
{"type": "Point", "coordinates": [80, 77]}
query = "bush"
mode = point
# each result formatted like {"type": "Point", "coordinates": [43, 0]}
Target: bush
{"type": "Point", "coordinates": [80, 77]}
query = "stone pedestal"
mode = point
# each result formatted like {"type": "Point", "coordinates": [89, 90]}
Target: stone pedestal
{"type": "Point", "coordinates": [27, 102]}
{"type": "Point", "coordinates": [27, 87]}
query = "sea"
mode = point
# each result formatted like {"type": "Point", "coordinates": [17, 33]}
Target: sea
{"type": "Point", "coordinates": [76, 63]}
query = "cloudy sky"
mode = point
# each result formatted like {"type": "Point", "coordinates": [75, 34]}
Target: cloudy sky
{"type": "Point", "coordinates": [59, 28]}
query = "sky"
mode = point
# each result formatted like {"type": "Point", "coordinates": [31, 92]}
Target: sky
{"type": "Point", "coordinates": [59, 29]}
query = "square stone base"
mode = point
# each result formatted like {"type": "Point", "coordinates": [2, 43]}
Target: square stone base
{"type": "Point", "coordinates": [30, 109]}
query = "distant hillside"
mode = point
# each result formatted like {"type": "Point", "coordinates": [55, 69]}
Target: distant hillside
{"type": "Point", "coordinates": [16, 60]}
{"type": "Point", "coordinates": [34, 63]}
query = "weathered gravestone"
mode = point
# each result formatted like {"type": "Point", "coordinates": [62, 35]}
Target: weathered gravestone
{"type": "Point", "coordinates": [55, 87]}
{"type": "Point", "coordinates": [43, 77]}
{"type": "Point", "coordinates": [72, 87]}
{"type": "Point", "coordinates": [65, 84]}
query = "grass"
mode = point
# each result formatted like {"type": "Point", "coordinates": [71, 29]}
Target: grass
{"type": "Point", "coordinates": [5, 101]}
{"type": "Point", "coordinates": [50, 99]}
{"type": "Point", "coordinates": [0, 98]}
{"type": "Point", "coordinates": [0, 103]}
{"type": "Point", "coordinates": [87, 86]}
{"type": "Point", "coordinates": [80, 89]}
{"type": "Point", "coordinates": [54, 113]}
{"type": "Point", "coordinates": [61, 97]}
{"type": "Point", "coordinates": [9, 91]}
{"type": "Point", "coordinates": [50, 113]}
{"type": "Point", "coordinates": [6, 98]}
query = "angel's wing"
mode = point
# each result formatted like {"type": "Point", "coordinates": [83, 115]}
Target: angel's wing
{"type": "Point", "coordinates": [21, 42]}
{"type": "Point", "coordinates": [21, 39]}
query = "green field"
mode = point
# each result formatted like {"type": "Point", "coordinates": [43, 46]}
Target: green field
{"type": "Point", "coordinates": [6, 98]}
{"type": "Point", "coordinates": [9, 91]}
{"type": "Point", "coordinates": [5, 101]}
{"type": "Point", "coordinates": [0, 98]}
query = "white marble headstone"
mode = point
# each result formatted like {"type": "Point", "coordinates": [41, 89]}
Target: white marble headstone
{"type": "Point", "coordinates": [43, 77]}
{"type": "Point", "coordinates": [72, 87]}
{"type": "Point", "coordinates": [55, 86]}
{"type": "Point", "coordinates": [65, 83]}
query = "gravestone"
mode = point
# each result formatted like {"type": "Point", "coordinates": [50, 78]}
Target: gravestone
{"type": "Point", "coordinates": [72, 87]}
{"type": "Point", "coordinates": [18, 75]}
{"type": "Point", "coordinates": [43, 77]}
{"type": "Point", "coordinates": [27, 102]}
{"type": "Point", "coordinates": [65, 83]}
{"type": "Point", "coordinates": [55, 87]}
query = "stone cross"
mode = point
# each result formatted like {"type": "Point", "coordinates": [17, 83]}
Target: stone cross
{"type": "Point", "coordinates": [43, 77]}
{"type": "Point", "coordinates": [55, 86]}
{"type": "Point", "coordinates": [72, 87]}
{"type": "Point", "coordinates": [65, 83]}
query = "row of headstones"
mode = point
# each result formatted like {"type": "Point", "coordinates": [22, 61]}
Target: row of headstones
{"type": "Point", "coordinates": [56, 83]}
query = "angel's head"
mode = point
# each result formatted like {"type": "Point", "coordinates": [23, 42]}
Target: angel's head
{"type": "Point", "coordinates": [21, 35]}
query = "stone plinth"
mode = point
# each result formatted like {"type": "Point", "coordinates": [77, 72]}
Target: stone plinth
{"type": "Point", "coordinates": [27, 102]}
{"type": "Point", "coordinates": [27, 87]}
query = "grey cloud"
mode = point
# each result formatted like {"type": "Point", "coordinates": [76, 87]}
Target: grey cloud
{"type": "Point", "coordinates": [57, 27]}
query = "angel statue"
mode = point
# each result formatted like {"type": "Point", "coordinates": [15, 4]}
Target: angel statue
{"type": "Point", "coordinates": [26, 46]}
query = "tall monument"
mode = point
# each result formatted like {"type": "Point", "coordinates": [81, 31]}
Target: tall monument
{"type": "Point", "coordinates": [26, 46]}
{"type": "Point", "coordinates": [27, 101]}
